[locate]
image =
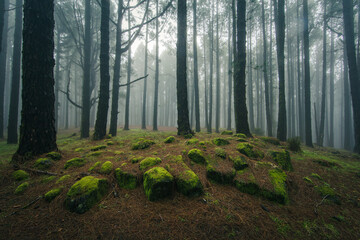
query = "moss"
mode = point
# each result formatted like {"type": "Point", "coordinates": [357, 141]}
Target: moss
{"type": "Point", "coordinates": [20, 175]}
{"type": "Point", "coordinates": [63, 178]}
{"type": "Point", "coordinates": [75, 162]}
{"type": "Point", "coordinates": [271, 140]}
{"type": "Point", "coordinates": [142, 144]}
{"type": "Point", "coordinates": [54, 155]}
{"type": "Point", "coordinates": [50, 195]}
{"type": "Point", "coordinates": [94, 154]}
{"type": "Point", "coordinates": [327, 192]}
{"type": "Point", "coordinates": [248, 150]}
{"type": "Point", "coordinates": [240, 135]}
{"type": "Point", "coordinates": [316, 176]}
{"type": "Point", "coordinates": [247, 184]}
{"type": "Point", "coordinates": [85, 193]}
{"type": "Point", "coordinates": [106, 168]}
{"type": "Point", "coordinates": [220, 177]}
{"type": "Point", "coordinates": [95, 166]}
{"type": "Point", "coordinates": [188, 183]}
{"type": "Point", "coordinates": [125, 180]}
{"type": "Point", "coordinates": [148, 162]}
{"type": "Point", "coordinates": [136, 159]}
{"type": "Point", "coordinates": [158, 183]}
{"type": "Point", "coordinates": [79, 149]}
{"type": "Point", "coordinates": [282, 227]}
{"type": "Point", "coordinates": [308, 180]}
{"type": "Point", "coordinates": [48, 179]}
{"type": "Point", "coordinates": [241, 140]}
{"type": "Point", "coordinates": [43, 163]}
{"type": "Point", "coordinates": [220, 141]}
{"type": "Point", "coordinates": [202, 143]}
{"type": "Point", "coordinates": [197, 156]}
{"type": "Point", "coordinates": [283, 159]}
{"type": "Point", "coordinates": [239, 162]}
{"type": "Point", "coordinates": [97, 148]}
{"type": "Point", "coordinates": [21, 188]}
{"type": "Point", "coordinates": [119, 152]}
{"type": "Point", "coordinates": [220, 153]}
{"type": "Point", "coordinates": [169, 139]}
{"type": "Point", "coordinates": [109, 143]}
{"type": "Point", "coordinates": [227, 132]}
{"type": "Point", "coordinates": [278, 179]}
{"type": "Point", "coordinates": [192, 141]}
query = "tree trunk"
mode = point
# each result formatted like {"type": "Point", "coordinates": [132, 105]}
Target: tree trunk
{"type": "Point", "coordinates": [85, 113]}
{"type": "Point", "coordinates": [206, 86]}
{"type": "Point", "coordinates": [143, 119]}
{"type": "Point", "coordinates": [103, 105]}
{"type": "Point", "coordinates": [196, 73]}
{"type": "Point", "coordinates": [308, 132]}
{"type": "Point", "coordinates": [300, 92]}
{"type": "Point", "coordinates": [156, 93]}
{"type": "Point", "coordinates": [250, 81]}
{"type": "Point", "coordinates": [182, 96]}
{"type": "Point", "coordinates": [332, 89]}
{"type": "Point", "coordinates": [57, 77]}
{"type": "Point", "coordinates": [211, 56]}
{"type": "Point", "coordinates": [15, 80]}
{"type": "Point", "coordinates": [240, 109]}
{"type": "Point", "coordinates": [127, 103]}
{"type": "Point", "coordinates": [230, 64]}
{"type": "Point", "coordinates": [2, 22]}
{"type": "Point", "coordinates": [217, 114]}
{"type": "Point", "coordinates": [37, 132]}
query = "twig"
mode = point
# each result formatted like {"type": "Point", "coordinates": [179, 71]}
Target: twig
{"type": "Point", "coordinates": [318, 204]}
{"type": "Point", "coordinates": [123, 85]}
{"type": "Point", "coordinates": [26, 206]}
{"type": "Point", "coordinates": [41, 172]}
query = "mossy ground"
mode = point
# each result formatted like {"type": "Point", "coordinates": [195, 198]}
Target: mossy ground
{"type": "Point", "coordinates": [221, 212]}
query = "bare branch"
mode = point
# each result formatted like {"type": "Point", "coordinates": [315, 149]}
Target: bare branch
{"type": "Point", "coordinates": [136, 80]}
{"type": "Point", "coordinates": [67, 93]}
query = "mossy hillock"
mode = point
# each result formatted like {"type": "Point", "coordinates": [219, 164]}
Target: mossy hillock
{"type": "Point", "coordinates": [106, 167]}
{"type": "Point", "coordinates": [197, 156]}
{"type": "Point", "coordinates": [54, 156]}
{"type": "Point", "coordinates": [220, 142]}
{"type": "Point", "coordinates": [282, 158]}
{"type": "Point", "coordinates": [21, 188]}
{"type": "Point", "coordinates": [149, 162]}
{"type": "Point", "coordinates": [125, 179]}
{"type": "Point", "coordinates": [142, 143]}
{"type": "Point", "coordinates": [52, 194]}
{"type": "Point", "coordinates": [249, 151]}
{"type": "Point", "coordinates": [43, 163]}
{"type": "Point", "coordinates": [20, 175]}
{"type": "Point", "coordinates": [169, 139]}
{"type": "Point", "coordinates": [158, 183]}
{"type": "Point", "coordinates": [74, 162]}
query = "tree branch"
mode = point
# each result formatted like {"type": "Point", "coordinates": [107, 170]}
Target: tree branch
{"type": "Point", "coordinates": [136, 80]}
{"type": "Point", "coordinates": [67, 93]}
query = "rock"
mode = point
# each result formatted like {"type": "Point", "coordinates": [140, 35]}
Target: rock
{"type": "Point", "coordinates": [169, 139]}
{"type": "Point", "coordinates": [125, 179]}
{"type": "Point", "coordinates": [54, 155]}
{"type": "Point", "coordinates": [220, 141]}
{"type": "Point", "coordinates": [149, 162]}
{"type": "Point", "coordinates": [85, 193]}
{"type": "Point", "coordinates": [278, 179]}
{"type": "Point", "coordinates": [50, 195]}
{"type": "Point", "coordinates": [227, 132]}
{"type": "Point", "coordinates": [94, 154]}
{"type": "Point", "coordinates": [282, 158]}
{"type": "Point", "coordinates": [106, 168]}
{"type": "Point", "coordinates": [197, 156]}
{"type": "Point", "coordinates": [48, 179]}
{"type": "Point", "coordinates": [21, 188]}
{"type": "Point", "coordinates": [109, 143]}
{"type": "Point", "coordinates": [158, 183]}
{"type": "Point", "coordinates": [136, 159]}
{"type": "Point", "coordinates": [192, 141]}
{"type": "Point", "coordinates": [246, 183]}
{"type": "Point", "coordinates": [240, 135]}
{"type": "Point", "coordinates": [220, 153]}
{"type": "Point", "coordinates": [97, 148]}
{"type": "Point", "coordinates": [75, 162]}
{"type": "Point", "coordinates": [43, 163]}
{"type": "Point", "coordinates": [95, 167]}
{"type": "Point", "coordinates": [248, 150]}
{"type": "Point", "coordinates": [239, 162]}
{"type": "Point", "coordinates": [63, 178]}
{"type": "Point", "coordinates": [188, 183]}
{"type": "Point", "coordinates": [142, 144]}
{"type": "Point", "coordinates": [20, 175]}
{"type": "Point", "coordinates": [222, 177]}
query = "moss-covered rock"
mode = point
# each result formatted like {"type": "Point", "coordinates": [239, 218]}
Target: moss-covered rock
{"type": "Point", "coordinates": [192, 141]}
{"type": "Point", "coordinates": [79, 150]}
{"type": "Point", "coordinates": [54, 155]}
{"type": "Point", "coordinates": [246, 183]}
{"type": "Point", "coordinates": [271, 140]}
{"type": "Point", "coordinates": [109, 143]}
{"type": "Point", "coordinates": [94, 154]}
{"type": "Point", "coordinates": [95, 167]}
{"type": "Point", "coordinates": [220, 153]}
{"type": "Point", "coordinates": [149, 162]}
{"type": "Point", "coordinates": [220, 141]}
{"type": "Point", "coordinates": [240, 135]}
{"type": "Point", "coordinates": [142, 144]}
{"type": "Point", "coordinates": [169, 139]}
{"type": "Point", "coordinates": [20, 175]}
{"type": "Point", "coordinates": [222, 177]}
{"type": "Point", "coordinates": [283, 159]}
{"type": "Point", "coordinates": [278, 179]}
{"type": "Point", "coordinates": [241, 140]}
{"type": "Point", "coordinates": [308, 180]}
{"type": "Point", "coordinates": [43, 163]}
{"type": "Point", "coordinates": [63, 178]}
{"type": "Point", "coordinates": [21, 188]}
{"type": "Point", "coordinates": [50, 195]}
{"type": "Point", "coordinates": [188, 183]}
{"type": "Point", "coordinates": [48, 179]}
{"type": "Point", "coordinates": [327, 192]}
{"type": "Point", "coordinates": [316, 176]}
{"type": "Point", "coordinates": [248, 150]}
{"type": "Point", "coordinates": [136, 159]}
{"type": "Point", "coordinates": [197, 156]}
{"type": "Point", "coordinates": [85, 193]}
{"type": "Point", "coordinates": [158, 183]}
{"type": "Point", "coordinates": [227, 132]}
{"type": "Point", "coordinates": [106, 167]}
{"type": "Point", "coordinates": [240, 162]}
{"type": "Point", "coordinates": [97, 148]}
{"type": "Point", "coordinates": [125, 179]}
{"type": "Point", "coordinates": [75, 162]}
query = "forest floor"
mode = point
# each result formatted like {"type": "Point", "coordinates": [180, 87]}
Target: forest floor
{"type": "Point", "coordinates": [221, 212]}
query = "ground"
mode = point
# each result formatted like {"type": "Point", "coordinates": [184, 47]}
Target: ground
{"type": "Point", "coordinates": [323, 193]}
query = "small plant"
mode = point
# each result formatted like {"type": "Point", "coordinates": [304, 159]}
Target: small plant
{"type": "Point", "coordinates": [294, 144]}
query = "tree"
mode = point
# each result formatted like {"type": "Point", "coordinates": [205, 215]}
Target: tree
{"type": "Point", "coordinates": [127, 102]}
{"type": "Point", "coordinates": [143, 118]}
{"type": "Point", "coordinates": [2, 21]}
{"type": "Point", "coordinates": [181, 83]}
{"type": "Point", "coordinates": [230, 64]}
{"type": "Point", "coordinates": [240, 109]}
{"type": "Point", "coordinates": [217, 113]}
{"type": "Point", "coordinates": [280, 42]}
{"type": "Point", "coordinates": [15, 80]}
{"type": "Point", "coordinates": [196, 73]}
{"type": "Point", "coordinates": [103, 106]}
{"type": "Point", "coordinates": [37, 131]}
{"type": "Point", "coordinates": [156, 93]}
{"type": "Point", "coordinates": [308, 132]}
{"type": "Point", "coordinates": [353, 71]}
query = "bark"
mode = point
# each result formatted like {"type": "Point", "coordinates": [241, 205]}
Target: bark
{"type": "Point", "coordinates": [217, 114]}
{"type": "Point", "coordinates": [103, 105]}
{"type": "Point", "coordinates": [211, 56]}
{"type": "Point", "coordinates": [250, 81]}
{"type": "Point", "coordinates": [300, 92]}
{"type": "Point", "coordinates": [240, 109]}
{"type": "Point", "coordinates": [2, 22]}
{"type": "Point", "coordinates": [230, 64]}
{"type": "Point", "coordinates": [332, 76]}
{"type": "Point", "coordinates": [206, 86]}
{"type": "Point", "coordinates": [15, 80]}
{"type": "Point", "coordinates": [143, 119]}
{"type": "Point", "coordinates": [57, 77]}
{"type": "Point", "coordinates": [308, 132]}
{"type": "Point", "coordinates": [128, 90]}
{"type": "Point", "coordinates": [156, 93]}
{"type": "Point", "coordinates": [196, 71]}
{"type": "Point", "coordinates": [181, 84]}
{"type": "Point", "coordinates": [37, 132]}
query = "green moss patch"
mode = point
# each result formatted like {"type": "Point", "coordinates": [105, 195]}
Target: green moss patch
{"type": "Point", "coordinates": [278, 179]}
{"type": "Point", "coordinates": [95, 167]}
{"type": "Point", "coordinates": [136, 159]}
{"type": "Point", "coordinates": [240, 135]}
{"type": "Point", "coordinates": [94, 154]}
{"type": "Point", "coordinates": [245, 182]}
{"type": "Point", "coordinates": [227, 132]}
{"type": "Point", "coordinates": [192, 141]}
{"type": "Point", "coordinates": [85, 193]}
{"type": "Point", "coordinates": [197, 156]}
{"type": "Point", "coordinates": [79, 150]}
{"type": "Point", "coordinates": [75, 162]}
{"type": "Point", "coordinates": [125, 179]}
{"type": "Point", "coordinates": [220, 153]}
{"type": "Point", "coordinates": [308, 180]}
{"type": "Point", "coordinates": [327, 192]}
{"type": "Point", "coordinates": [21, 188]}
{"type": "Point", "coordinates": [271, 140]}
{"type": "Point", "coordinates": [158, 183]}
{"type": "Point", "coordinates": [283, 159]}
{"type": "Point", "coordinates": [248, 150]}
{"type": "Point", "coordinates": [106, 167]}
{"type": "Point", "coordinates": [169, 139]}
{"type": "Point", "coordinates": [149, 162]}
{"type": "Point", "coordinates": [97, 148]}
{"type": "Point", "coordinates": [239, 162]}
{"type": "Point", "coordinates": [63, 178]}
{"type": "Point", "coordinates": [316, 176]}
{"type": "Point", "coordinates": [220, 141]}
{"type": "Point", "coordinates": [222, 176]}
{"type": "Point", "coordinates": [48, 179]}
{"type": "Point", "coordinates": [54, 155]}
{"type": "Point", "coordinates": [20, 175]}
{"type": "Point", "coordinates": [142, 144]}
{"type": "Point", "coordinates": [50, 195]}
{"type": "Point", "coordinates": [43, 163]}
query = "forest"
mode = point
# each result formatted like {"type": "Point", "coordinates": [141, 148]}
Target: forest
{"type": "Point", "coordinates": [180, 119]}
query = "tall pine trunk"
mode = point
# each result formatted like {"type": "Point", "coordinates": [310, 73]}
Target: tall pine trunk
{"type": "Point", "coordinates": [143, 116]}
{"type": "Point", "coordinates": [156, 93]}
{"type": "Point", "coordinates": [332, 89]}
{"type": "Point", "coordinates": [128, 90]}
{"type": "Point", "coordinates": [217, 113]}
{"type": "Point", "coordinates": [230, 64]}
{"type": "Point", "coordinates": [211, 56]}
{"type": "Point", "coordinates": [196, 73]}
